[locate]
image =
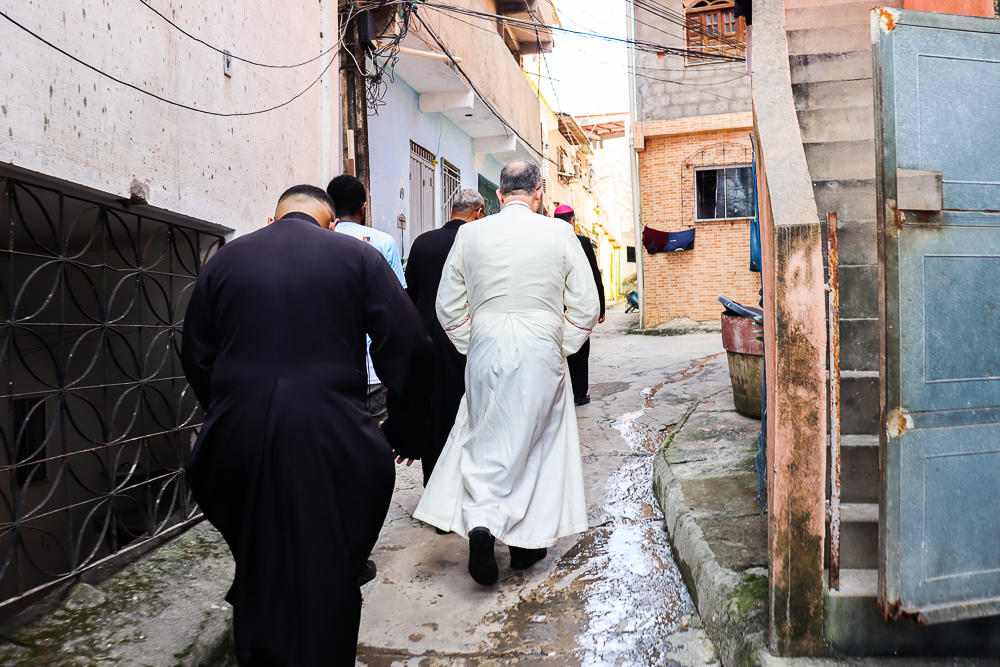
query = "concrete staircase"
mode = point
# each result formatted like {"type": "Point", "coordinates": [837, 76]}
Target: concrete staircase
{"type": "Point", "coordinates": [831, 69]}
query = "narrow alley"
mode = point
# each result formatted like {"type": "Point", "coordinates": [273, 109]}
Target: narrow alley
{"type": "Point", "coordinates": [610, 596]}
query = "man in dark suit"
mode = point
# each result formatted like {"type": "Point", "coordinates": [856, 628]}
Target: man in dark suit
{"type": "Point", "coordinates": [579, 362]}
{"type": "Point", "coordinates": [423, 275]}
{"type": "Point", "coordinates": [289, 465]}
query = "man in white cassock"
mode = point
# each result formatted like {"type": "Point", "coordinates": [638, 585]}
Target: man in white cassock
{"type": "Point", "coordinates": [517, 296]}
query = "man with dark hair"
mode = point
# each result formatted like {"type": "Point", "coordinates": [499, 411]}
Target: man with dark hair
{"type": "Point", "coordinates": [289, 465]}
{"type": "Point", "coordinates": [579, 362]}
{"type": "Point", "coordinates": [423, 275]}
{"type": "Point", "coordinates": [517, 297]}
{"type": "Point", "coordinates": [350, 201]}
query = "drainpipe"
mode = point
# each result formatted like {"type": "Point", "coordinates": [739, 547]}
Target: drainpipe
{"type": "Point", "coordinates": [633, 160]}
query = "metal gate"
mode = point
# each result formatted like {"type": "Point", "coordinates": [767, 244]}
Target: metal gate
{"type": "Point", "coordinates": [937, 81]}
{"type": "Point", "coordinates": [421, 191]}
{"type": "Point", "coordinates": [488, 189]}
{"type": "Point", "coordinates": [96, 417]}
{"type": "Point", "coordinates": [451, 185]}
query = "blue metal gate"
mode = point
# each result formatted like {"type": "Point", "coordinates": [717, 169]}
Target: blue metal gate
{"type": "Point", "coordinates": [937, 81]}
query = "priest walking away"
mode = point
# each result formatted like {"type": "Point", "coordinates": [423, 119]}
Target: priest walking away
{"type": "Point", "coordinates": [579, 363]}
{"type": "Point", "coordinates": [289, 464]}
{"type": "Point", "coordinates": [423, 275]}
{"type": "Point", "coordinates": [517, 297]}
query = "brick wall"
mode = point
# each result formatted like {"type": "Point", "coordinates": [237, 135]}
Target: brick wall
{"type": "Point", "coordinates": [686, 284]}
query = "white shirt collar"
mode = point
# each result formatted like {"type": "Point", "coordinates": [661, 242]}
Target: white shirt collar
{"type": "Point", "coordinates": [518, 202]}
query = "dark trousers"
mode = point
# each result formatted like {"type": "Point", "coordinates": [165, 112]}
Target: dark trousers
{"type": "Point", "coordinates": [579, 370]}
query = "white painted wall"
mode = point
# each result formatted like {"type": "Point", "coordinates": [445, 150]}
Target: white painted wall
{"type": "Point", "coordinates": [389, 136]}
{"type": "Point", "coordinates": [61, 119]}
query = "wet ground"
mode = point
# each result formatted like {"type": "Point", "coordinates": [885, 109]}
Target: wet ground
{"type": "Point", "coordinates": [610, 596]}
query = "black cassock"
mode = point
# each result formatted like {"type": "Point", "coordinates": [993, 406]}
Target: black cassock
{"type": "Point", "coordinates": [579, 363]}
{"type": "Point", "coordinates": [289, 465]}
{"type": "Point", "coordinates": [423, 275]}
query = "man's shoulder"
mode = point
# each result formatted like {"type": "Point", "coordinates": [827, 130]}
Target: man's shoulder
{"type": "Point", "coordinates": [373, 237]}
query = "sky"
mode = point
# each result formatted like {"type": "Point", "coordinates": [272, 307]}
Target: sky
{"type": "Point", "coordinates": [591, 75]}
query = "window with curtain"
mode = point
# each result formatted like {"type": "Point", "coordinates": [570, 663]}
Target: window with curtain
{"type": "Point", "coordinates": [724, 193]}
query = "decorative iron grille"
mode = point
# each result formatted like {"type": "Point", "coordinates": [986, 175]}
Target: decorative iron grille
{"type": "Point", "coordinates": [96, 418]}
{"type": "Point", "coordinates": [451, 185]}
{"type": "Point", "coordinates": [488, 189]}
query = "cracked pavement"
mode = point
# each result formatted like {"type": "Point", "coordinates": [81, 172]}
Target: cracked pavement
{"type": "Point", "coordinates": [610, 596]}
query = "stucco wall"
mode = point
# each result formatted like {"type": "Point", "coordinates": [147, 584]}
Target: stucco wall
{"type": "Point", "coordinates": [389, 134]}
{"type": "Point", "coordinates": [66, 121]}
{"type": "Point", "coordinates": [488, 62]}
{"type": "Point", "coordinates": [670, 88]}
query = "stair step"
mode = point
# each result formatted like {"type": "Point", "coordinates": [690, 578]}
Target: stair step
{"type": "Point", "coordinates": [837, 124]}
{"type": "Point", "coordinates": [831, 94]}
{"type": "Point", "coordinates": [826, 16]}
{"type": "Point", "coordinates": [858, 535]}
{"type": "Point", "coordinates": [859, 400]}
{"type": "Point", "coordinates": [857, 240]}
{"type": "Point", "coordinates": [859, 344]}
{"type": "Point", "coordinates": [814, 68]}
{"type": "Point", "coordinates": [840, 160]}
{"type": "Point", "coordinates": [855, 627]}
{"type": "Point", "coordinates": [858, 291]}
{"type": "Point", "coordinates": [859, 513]}
{"type": "Point", "coordinates": [850, 199]}
{"type": "Point", "coordinates": [836, 39]}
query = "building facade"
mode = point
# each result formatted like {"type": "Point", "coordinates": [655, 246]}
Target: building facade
{"type": "Point", "coordinates": [118, 180]}
{"type": "Point", "coordinates": [450, 121]}
{"type": "Point", "coordinates": [691, 132]}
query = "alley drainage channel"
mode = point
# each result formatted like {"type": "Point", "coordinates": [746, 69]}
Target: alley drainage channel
{"type": "Point", "coordinates": [616, 597]}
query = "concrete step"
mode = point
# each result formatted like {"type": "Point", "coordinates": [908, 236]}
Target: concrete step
{"type": "Point", "coordinates": [814, 68]}
{"type": "Point", "coordinates": [833, 94]}
{"type": "Point", "coordinates": [837, 124]}
{"type": "Point", "coordinates": [835, 39]}
{"type": "Point", "coordinates": [855, 627]}
{"type": "Point", "coordinates": [859, 469]}
{"type": "Point", "coordinates": [859, 401]}
{"type": "Point", "coordinates": [858, 535]}
{"type": "Point", "coordinates": [850, 199]}
{"type": "Point", "coordinates": [859, 344]}
{"type": "Point", "coordinates": [858, 291]}
{"type": "Point", "coordinates": [857, 240]}
{"type": "Point", "coordinates": [827, 16]}
{"type": "Point", "coordinates": [841, 160]}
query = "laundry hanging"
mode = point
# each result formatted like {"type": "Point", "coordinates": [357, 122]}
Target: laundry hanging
{"type": "Point", "coordinates": [656, 241]}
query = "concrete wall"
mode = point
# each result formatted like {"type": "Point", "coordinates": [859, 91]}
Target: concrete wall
{"type": "Point", "coordinates": [670, 87]}
{"type": "Point", "coordinates": [490, 65]}
{"type": "Point", "coordinates": [389, 134]}
{"type": "Point", "coordinates": [61, 119]}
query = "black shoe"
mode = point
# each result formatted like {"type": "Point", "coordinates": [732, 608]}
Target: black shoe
{"type": "Point", "coordinates": [367, 573]}
{"type": "Point", "coordinates": [442, 531]}
{"type": "Point", "coordinates": [482, 561]}
{"type": "Point", "coordinates": [583, 400]}
{"type": "Point", "coordinates": [522, 559]}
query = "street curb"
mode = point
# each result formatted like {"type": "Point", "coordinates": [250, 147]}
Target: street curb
{"type": "Point", "coordinates": [736, 628]}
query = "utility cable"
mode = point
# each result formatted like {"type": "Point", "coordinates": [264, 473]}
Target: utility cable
{"type": "Point", "coordinates": [160, 97]}
{"type": "Point", "coordinates": [184, 32]}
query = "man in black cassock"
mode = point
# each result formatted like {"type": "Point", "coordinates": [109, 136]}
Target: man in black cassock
{"type": "Point", "coordinates": [423, 275]}
{"type": "Point", "coordinates": [289, 465]}
{"type": "Point", "coordinates": [579, 363]}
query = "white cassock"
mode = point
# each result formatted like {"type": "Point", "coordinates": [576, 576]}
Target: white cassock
{"type": "Point", "coordinates": [517, 296]}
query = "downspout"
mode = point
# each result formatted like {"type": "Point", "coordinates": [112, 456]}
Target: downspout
{"type": "Point", "coordinates": [633, 160]}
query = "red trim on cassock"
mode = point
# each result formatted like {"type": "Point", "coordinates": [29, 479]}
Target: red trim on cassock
{"type": "Point", "coordinates": [576, 325]}
{"type": "Point", "coordinates": [459, 324]}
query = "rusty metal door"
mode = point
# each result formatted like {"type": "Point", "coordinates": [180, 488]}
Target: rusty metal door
{"type": "Point", "coordinates": [937, 82]}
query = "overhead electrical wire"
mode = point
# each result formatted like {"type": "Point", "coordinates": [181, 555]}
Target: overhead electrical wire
{"type": "Point", "coordinates": [184, 32]}
{"type": "Point", "coordinates": [160, 97]}
{"type": "Point", "coordinates": [479, 94]}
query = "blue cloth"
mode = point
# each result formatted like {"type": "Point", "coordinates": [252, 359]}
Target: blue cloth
{"type": "Point", "coordinates": [755, 261]}
{"type": "Point", "coordinates": [386, 245]}
{"type": "Point", "coordinates": [380, 241]}
{"type": "Point", "coordinates": [681, 240]}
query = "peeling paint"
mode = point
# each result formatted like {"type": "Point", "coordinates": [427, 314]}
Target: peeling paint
{"type": "Point", "coordinates": [887, 17]}
{"type": "Point", "coordinates": [898, 422]}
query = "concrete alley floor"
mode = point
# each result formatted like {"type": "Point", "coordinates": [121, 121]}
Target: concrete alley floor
{"type": "Point", "coordinates": [610, 596]}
